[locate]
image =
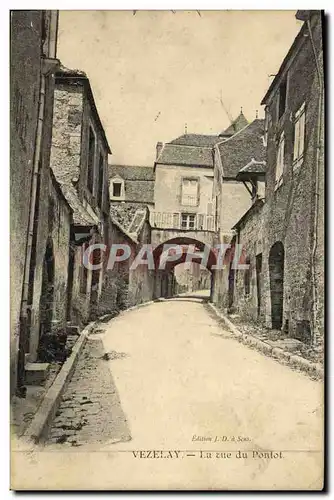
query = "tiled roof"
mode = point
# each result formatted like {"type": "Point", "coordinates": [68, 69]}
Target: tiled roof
{"type": "Point", "coordinates": [80, 215]}
{"type": "Point", "coordinates": [174, 154]}
{"type": "Point", "coordinates": [132, 172]}
{"type": "Point", "coordinates": [129, 217]}
{"type": "Point", "coordinates": [238, 124]}
{"type": "Point", "coordinates": [196, 140]}
{"type": "Point", "coordinates": [123, 213]}
{"type": "Point", "coordinates": [254, 167]}
{"type": "Point", "coordinates": [239, 149]}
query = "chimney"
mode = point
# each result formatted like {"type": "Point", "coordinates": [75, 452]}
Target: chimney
{"type": "Point", "coordinates": [158, 148]}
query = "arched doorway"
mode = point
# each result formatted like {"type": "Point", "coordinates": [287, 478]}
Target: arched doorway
{"type": "Point", "coordinates": [276, 275]}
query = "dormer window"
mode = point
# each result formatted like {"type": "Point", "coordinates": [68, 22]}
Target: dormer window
{"type": "Point", "coordinates": [117, 190]}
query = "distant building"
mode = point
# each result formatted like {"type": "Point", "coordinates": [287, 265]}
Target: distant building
{"type": "Point", "coordinates": [131, 188]}
{"type": "Point", "coordinates": [185, 208]}
{"type": "Point", "coordinates": [183, 184]}
{"type": "Point", "coordinates": [231, 198]}
{"type": "Point", "coordinates": [132, 184]}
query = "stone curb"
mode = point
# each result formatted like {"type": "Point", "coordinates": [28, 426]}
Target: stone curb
{"type": "Point", "coordinates": [36, 431]}
{"type": "Point", "coordinates": [277, 353]}
{"type": "Point", "coordinates": [138, 306]}
{"type": "Point", "coordinates": [108, 317]}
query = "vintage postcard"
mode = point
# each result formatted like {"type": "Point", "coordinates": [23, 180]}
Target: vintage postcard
{"type": "Point", "coordinates": [167, 250]}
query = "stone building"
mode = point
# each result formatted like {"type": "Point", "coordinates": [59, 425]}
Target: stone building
{"type": "Point", "coordinates": [183, 184]}
{"type": "Point", "coordinates": [126, 286]}
{"type": "Point", "coordinates": [79, 160]}
{"type": "Point", "coordinates": [233, 193]}
{"type": "Point", "coordinates": [185, 209]}
{"type": "Point", "coordinates": [131, 184]}
{"type": "Point", "coordinates": [32, 66]}
{"type": "Point", "coordinates": [284, 233]}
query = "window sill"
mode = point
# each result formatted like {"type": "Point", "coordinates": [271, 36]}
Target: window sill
{"type": "Point", "coordinates": [117, 198]}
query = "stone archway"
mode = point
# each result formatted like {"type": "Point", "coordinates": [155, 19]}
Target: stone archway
{"type": "Point", "coordinates": [199, 256]}
{"type": "Point", "coordinates": [276, 276]}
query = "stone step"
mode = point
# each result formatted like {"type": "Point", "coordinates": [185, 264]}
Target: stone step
{"type": "Point", "coordinates": [36, 373]}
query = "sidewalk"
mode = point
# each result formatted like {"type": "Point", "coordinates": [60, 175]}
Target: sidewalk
{"type": "Point", "coordinates": [287, 351]}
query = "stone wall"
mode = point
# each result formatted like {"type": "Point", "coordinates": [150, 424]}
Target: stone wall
{"type": "Point", "coordinates": [250, 235]}
{"type": "Point", "coordinates": [54, 230]}
{"type": "Point", "coordinates": [141, 279]}
{"type": "Point", "coordinates": [24, 91]}
{"type": "Point", "coordinates": [290, 209]}
{"type": "Point", "coordinates": [67, 130]}
{"type": "Point", "coordinates": [286, 220]}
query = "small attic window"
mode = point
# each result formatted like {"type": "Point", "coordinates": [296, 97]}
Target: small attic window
{"type": "Point", "coordinates": [117, 188]}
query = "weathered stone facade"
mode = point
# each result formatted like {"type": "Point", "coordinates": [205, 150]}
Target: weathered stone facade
{"type": "Point", "coordinates": [291, 208]}
{"type": "Point", "coordinates": [79, 159]}
{"type": "Point", "coordinates": [33, 51]}
{"type": "Point", "coordinates": [284, 237]}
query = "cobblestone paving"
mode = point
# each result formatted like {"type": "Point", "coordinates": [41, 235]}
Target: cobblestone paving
{"type": "Point", "coordinates": [90, 411]}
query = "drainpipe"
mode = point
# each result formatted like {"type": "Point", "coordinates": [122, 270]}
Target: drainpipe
{"type": "Point", "coordinates": [47, 66]}
{"type": "Point", "coordinates": [317, 169]}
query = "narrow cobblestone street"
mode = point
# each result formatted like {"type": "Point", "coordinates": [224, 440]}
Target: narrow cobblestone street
{"type": "Point", "coordinates": [168, 377]}
{"type": "Point", "coordinates": [90, 411]}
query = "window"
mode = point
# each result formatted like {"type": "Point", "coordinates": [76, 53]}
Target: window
{"type": "Point", "coordinates": [247, 278]}
{"type": "Point", "coordinates": [91, 156]}
{"type": "Point", "coordinates": [200, 221]}
{"type": "Point", "coordinates": [100, 191]}
{"type": "Point", "coordinates": [299, 135]}
{"type": "Point", "coordinates": [84, 271]}
{"type": "Point", "coordinates": [189, 192]}
{"type": "Point", "coordinates": [282, 98]}
{"type": "Point", "coordinates": [188, 221]}
{"type": "Point", "coordinates": [117, 188]}
{"type": "Point", "coordinates": [280, 162]}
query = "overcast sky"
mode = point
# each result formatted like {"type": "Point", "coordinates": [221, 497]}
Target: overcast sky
{"type": "Point", "coordinates": [155, 71]}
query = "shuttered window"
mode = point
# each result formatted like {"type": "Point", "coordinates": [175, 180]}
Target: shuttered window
{"type": "Point", "coordinates": [299, 137]}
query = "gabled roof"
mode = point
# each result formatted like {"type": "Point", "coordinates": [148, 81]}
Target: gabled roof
{"type": "Point", "coordinates": [300, 39]}
{"type": "Point", "coordinates": [75, 76]}
{"type": "Point", "coordinates": [132, 172]}
{"type": "Point", "coordinates": [254, 167]}
{"type": "Point", "coordinates": [238, 150]}
{"type": "Point", "coordinates": [174, 154]}
{"type": "Point", "coordinates": [238, 124]}
{"type": "Point", "coordinates": [196, 140]}
{"type": "Point", "coordinates": [80, 215]}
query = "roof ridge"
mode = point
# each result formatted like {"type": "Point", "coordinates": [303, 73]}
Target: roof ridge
{"type": "Point", "coordinates": [186, 146]}
{"type": "Point", "coordinates": [239, 131]}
